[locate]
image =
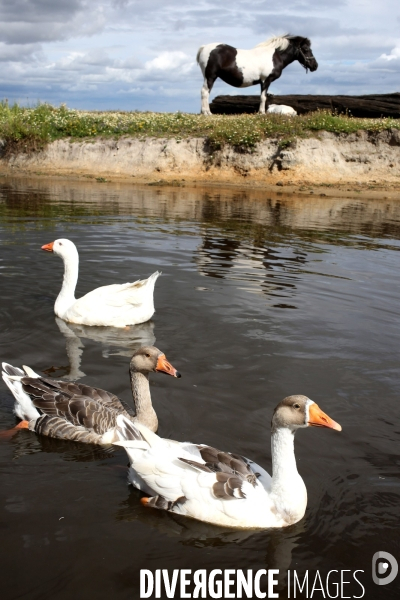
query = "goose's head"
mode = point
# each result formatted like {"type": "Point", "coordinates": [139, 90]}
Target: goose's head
{"type": "Point", "coordinates": [150, 358]}
{"type": "Point", "coordinates": [62, 247]}
{"type": "Point", "coordinates": [299, 411]}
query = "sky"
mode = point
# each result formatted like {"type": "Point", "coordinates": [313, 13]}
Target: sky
{"type": "Point", "coordinates": [140, 54]}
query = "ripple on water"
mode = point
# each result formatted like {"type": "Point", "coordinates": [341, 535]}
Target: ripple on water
{"type": "Point", "coordinates": [260, 297]}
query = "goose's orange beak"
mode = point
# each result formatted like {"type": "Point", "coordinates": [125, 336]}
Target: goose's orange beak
{"type": "Point", "coordinates": [163, 366]}
{"type": "Point", "coordinates": [317, 418]}
{"type": "Point", "coordinates": [48, 247]}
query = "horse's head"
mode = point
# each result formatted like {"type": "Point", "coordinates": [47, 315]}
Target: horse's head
{"type": "Point", "coordinates": [304, 53]}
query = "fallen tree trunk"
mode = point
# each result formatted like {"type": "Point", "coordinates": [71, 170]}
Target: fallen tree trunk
{"type": "Point", "coordinates": [371, 106]}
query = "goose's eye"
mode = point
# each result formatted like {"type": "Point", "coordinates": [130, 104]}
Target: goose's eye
{"type": "Point", "coordinates": [60, 243]}
{"type": "Point", "coordinates": [296, 406]}
{"type": "Point", "coordinates": [148, 355]}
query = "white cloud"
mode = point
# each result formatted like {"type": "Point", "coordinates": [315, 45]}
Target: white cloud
{"type": "Point", "coordinates": [168, 61]}
{"type": "Point", "coordinates": [394, 54]}
{"type": "Point", "coordinates": [93, 53]}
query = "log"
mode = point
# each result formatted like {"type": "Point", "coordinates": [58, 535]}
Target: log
{"type": "Point", "coordinates": [370, 106]}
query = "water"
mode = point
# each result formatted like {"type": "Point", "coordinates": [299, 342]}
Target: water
{"type": "Point", "coordinates": [261, 297]}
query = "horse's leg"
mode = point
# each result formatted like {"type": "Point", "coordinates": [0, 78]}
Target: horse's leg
{"type": "Point", "coordinates": [275, 74]}
{"type": "Point", "coordinates": [263, 98]}
{"type": "Point", "coordinates": [205, 94]}
{"type": "Point", "coordinates": [264, 90]}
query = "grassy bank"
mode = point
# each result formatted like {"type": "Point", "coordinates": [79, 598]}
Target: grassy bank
{"type": "Point", "coordinates": [30, 129]}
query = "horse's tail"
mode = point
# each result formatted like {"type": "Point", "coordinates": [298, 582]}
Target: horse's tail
{"type": "Point", "coordinates": [199, 51]}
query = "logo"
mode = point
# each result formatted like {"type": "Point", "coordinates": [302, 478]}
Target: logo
{"type": "Point", "coordinates": [385, 564]}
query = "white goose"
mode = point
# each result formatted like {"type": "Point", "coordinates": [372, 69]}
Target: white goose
{"type": "Point", "coordinates": [116, 305]}
{"type": "Point", "coordinates": [79, 412]}
{"type": "Point", "coordinates": [219, 487]}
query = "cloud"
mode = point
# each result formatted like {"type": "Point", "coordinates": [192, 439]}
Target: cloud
{"type": "Point", "coordinates": [168, 66]}
{"type": "Point", "coordinates": [20, 53]}
{"type": "Point", "coordinates": [24, 22]}
{"type": "Point", "coordinates": [135, 54]}
{"type": "Point", "coordinates": [394, 54]}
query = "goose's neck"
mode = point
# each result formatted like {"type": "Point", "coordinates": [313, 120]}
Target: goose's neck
{"type": "Point", "coordinates": [288, 488]}
{"type": "Point", "coordinates": [283, 459]}
{"type": "Point", "coordinates": [145, 412]}
{"type": "Point", "coordinates": [66, 297]}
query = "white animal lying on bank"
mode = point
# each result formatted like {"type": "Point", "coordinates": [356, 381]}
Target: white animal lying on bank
{"type": "Point", "coordinates": [281, 109]}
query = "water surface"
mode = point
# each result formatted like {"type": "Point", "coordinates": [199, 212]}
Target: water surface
{"type": "Point", "coordinates": [261, 297]}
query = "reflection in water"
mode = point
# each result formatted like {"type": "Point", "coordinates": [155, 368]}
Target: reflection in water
{"type": "Point", "coordinates": [113, 340]}
{"type": "Point", "coordinates": [266, 269]}
{"type": "Point", "coordinates": [333, 259]}
{"type": "Point", "coordinates": [25, 443]}
{"type": "Point", "coordinates": [189, 531]}
{"type": "Point", "coordinates": [277, 545]}
{"type": "Point", "coordinates": [216, 255]}
{"type": "Point", "coordinates": [264, 243]}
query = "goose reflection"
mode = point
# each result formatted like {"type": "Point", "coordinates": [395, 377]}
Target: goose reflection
{"type": "Point", "coordinates": [278, 543]}
{"type": "Point", "coordinates": [23, 443]}
{"type": "Point", "coordinates": [189, 531]}
{"type": "Point", "coordinates": [275, 547]}
{"type": "Point", "coordinates": [114, 341]}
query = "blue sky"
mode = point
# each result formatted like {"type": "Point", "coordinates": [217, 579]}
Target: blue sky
{"type": "Point", "coordinates": [140, 54]}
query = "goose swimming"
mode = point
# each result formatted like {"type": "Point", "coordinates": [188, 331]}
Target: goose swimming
{"type": "Point", "coordinates": [117, 305]}
{"type": "Point", "coordinates": [221, 487]}
{"type": "Point", "coordinates": [79, 412]}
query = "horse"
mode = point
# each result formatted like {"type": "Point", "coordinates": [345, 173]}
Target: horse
{"type": "Point", "coordinates": [262, 64]}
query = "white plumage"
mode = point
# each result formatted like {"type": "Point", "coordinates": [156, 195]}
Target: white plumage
{"type": "Point", "coordinates": [115, 305]}
{"type": "Point", "coordinates": [219, 487]}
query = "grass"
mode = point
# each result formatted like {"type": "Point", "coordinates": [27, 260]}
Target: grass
{"type": "Point", "coordinates": [31, 129]}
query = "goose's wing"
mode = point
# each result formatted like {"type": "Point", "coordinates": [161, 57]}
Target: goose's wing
{"type": "Point", "coordinates": [115, 305]}
{"type": "Point", "coordinates": [119, 295]}
{"type": "Point", "coordinates": [99, 395]}
{"type": "Point", "coordinates": [107, 399]}
{"type": "Point", "coordinates": [235, 464]}
{"type": "Point", "coordinates": [227, 462]}
{"type": "Point", "coordinates": [262, 475]}
{"type": "Point", "coordinates": [78, 404]}
{"type": "Point", "coordinates": [58, 427]}
{"type": "Point", "coordinates": [197, 481]}
{"type": "Point", "coordinates": [160, 457]}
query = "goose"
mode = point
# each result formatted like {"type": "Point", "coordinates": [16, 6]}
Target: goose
{"type": "Point", "coordinates": [220, 487]}
{"type": "Point", "coordinates": [79, 412]}
{"type": "Point", "coordinates": [116, 305]}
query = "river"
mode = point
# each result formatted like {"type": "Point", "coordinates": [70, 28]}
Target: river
{"type": "Point", "coordinates": [261, 296]}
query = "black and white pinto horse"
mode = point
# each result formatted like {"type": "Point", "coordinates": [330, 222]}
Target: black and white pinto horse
{"type": "Point", "coordinates": [262, 64]}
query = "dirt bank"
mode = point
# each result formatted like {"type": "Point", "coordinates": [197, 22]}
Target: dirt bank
{"type": "Point", "coordinates": [351, 162]}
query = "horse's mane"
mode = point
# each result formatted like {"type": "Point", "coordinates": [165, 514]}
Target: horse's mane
{"type": "Point", "coordinates": [280, 42]}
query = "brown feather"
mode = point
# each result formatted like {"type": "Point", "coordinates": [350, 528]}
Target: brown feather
{"type": "Point", "coordinates": [227, 486]}
{"type": "Point", "coordinates": [79, 404]}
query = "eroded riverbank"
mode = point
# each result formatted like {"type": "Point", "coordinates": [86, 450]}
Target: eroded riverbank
{"type": "Point", "coordinates": [331, 164]}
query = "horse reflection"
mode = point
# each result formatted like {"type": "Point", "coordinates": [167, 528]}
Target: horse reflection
{"type": "Point", "coordinates": [114, 341]}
